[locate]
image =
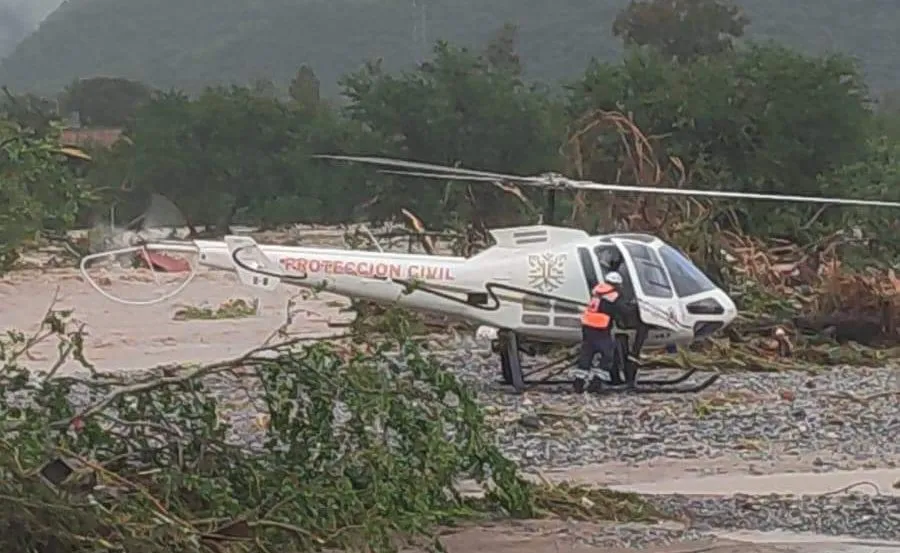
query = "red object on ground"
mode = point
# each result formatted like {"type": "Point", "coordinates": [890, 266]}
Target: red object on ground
{"type": "Point", "coordinates": [164, 263]}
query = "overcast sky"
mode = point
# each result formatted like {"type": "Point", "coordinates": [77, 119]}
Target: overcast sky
{"type": "Point", "coordinates": [20, 17]}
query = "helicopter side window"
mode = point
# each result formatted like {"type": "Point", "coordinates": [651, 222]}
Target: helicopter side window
{"type": "Point", "coordinates": [650, 271]}
{"type": "Point", "coordinates": [687, 278]}
{"type": "Point", "coordinates": [610, 259]}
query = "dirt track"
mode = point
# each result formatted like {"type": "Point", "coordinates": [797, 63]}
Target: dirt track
{"type": "Point", "coordinates": [123, 337]}
{"type": "Point", "coordinates": [127, 337]}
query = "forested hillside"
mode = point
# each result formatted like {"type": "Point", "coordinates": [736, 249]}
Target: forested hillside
{"type": "Point", "coordinates": [191, 44]}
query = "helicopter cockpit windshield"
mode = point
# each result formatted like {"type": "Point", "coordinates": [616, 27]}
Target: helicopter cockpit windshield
{"type": "Point", "coordinates": [649, 271]}
{"type": "Point", "coordinates": [687, 278]}
{"type": "Point", "coordinates": [663, 272]}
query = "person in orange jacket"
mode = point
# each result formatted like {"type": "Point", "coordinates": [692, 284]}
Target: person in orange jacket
{"type": "Point", "coordinates": [596, 329]}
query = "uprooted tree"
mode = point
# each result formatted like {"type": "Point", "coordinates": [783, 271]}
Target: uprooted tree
{"type": "Point", "coordinates": [351, 444]}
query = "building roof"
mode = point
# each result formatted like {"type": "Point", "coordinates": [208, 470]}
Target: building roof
{"type": "Point", "coordinates": [83, 137]}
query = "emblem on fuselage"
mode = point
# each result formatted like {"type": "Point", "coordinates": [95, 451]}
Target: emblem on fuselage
{"type": "Point", "coordinates": [546, 271]}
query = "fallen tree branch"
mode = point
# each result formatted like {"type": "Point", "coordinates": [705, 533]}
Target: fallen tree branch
{"type": "Point", "coordinates": [353, 445]}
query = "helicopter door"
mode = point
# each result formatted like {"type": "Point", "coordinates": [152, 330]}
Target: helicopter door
{"type": "Point", "coordinates": [610, 258]}
{"type": "Point", "coordinates": [658, 305]}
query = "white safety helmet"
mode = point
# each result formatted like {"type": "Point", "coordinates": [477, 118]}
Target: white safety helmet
{"type": "Point", "coordinates": [613, 277]}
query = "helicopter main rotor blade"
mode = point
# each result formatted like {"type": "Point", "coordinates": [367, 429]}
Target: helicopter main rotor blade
{"type": "Point", "coordinates": [449, 176]}
{"type": "Point", "coordinates": [586, 185]}
{"type": "Point", "coordinates": [417, 165]}
{"type": "Point", "coordinates": [725, 194]}
{"type": "Point", "coordinates": [557, 183]}
{"type": "Point", "coordinates": [552, 181]}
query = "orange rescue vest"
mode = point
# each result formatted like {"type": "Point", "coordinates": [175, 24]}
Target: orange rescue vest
{"type": "Point", "coordinates": [592, 315]}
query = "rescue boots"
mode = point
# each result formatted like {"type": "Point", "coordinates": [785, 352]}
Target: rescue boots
{"type": "Point", "coordinates": [615, 377]}
{"type": "Point", "coordinates": [580, 385]}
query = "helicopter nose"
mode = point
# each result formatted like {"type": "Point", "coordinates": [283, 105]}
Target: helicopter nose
{"type": "Point", "coordinates": [730, 308]}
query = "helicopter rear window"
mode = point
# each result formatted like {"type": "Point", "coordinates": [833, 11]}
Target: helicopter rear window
{"type": "Point", "coordinates": [686, 277]}
{"type": "Point", "coordinates": [650, 272]}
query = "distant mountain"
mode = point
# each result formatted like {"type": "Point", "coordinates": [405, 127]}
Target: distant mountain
{"type": "Point", "coordinates": [18, 18]}
{"type": "Point", "coordinates": [192, 43]}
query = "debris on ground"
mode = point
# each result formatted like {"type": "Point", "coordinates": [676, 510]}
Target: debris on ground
{"type": "Point", "coordinates": [231, 309]}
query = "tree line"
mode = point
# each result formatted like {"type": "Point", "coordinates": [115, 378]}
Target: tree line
{"type": "Point", "coordinates": [678, 109]}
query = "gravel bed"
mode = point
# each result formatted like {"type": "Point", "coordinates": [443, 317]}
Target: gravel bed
{"type": "Point", "coordinates": [858, 515]}
{"type": "Point", "coordinates": [757, 416]}
{"type": "Point", "coordinates": [639, 536]}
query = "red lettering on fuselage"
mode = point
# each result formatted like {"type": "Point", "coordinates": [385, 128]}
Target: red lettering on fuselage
{"type": "Point", "coordinates": [377, 269]}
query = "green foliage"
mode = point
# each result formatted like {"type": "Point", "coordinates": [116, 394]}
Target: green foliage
{"type": "Point", "coordinates": [232, 309]}
{"type": "Point", "coordinates": [104, 101]}
{"type": "Point", "coordinates": [501, 50]}
{"type": "Point", "coordinates": [28, 111]}
{"type": "Point", "coordinates": [764, 119]}
{"type": "Point", "coordinates": [681, 29]}
{"type": "Point", "coordinates": [459, 107]}
{"type": "Point", "coordinates": [875, 175]}
{"type": "Point", "coordinates": [304, 87]}
{"type": "Point", "coordinates": [236, 149]}
{"type": "Point", "coordinates": [357, 447]}
{"type": "Point", "coordinates": [241, 155]}
{"type": "Point", "coordinates": [38, 190]}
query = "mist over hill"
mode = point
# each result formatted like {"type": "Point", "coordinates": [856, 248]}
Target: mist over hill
{"type": "Point", "coordinates": [18, 18]}
{"type": "Point", "coordinates": [194, 43]}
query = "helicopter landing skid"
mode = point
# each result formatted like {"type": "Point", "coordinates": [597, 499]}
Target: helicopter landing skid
{"type": "Point", "coordinates": [520, 380]}
{"type": "Point", "coordinates": [661, 386]}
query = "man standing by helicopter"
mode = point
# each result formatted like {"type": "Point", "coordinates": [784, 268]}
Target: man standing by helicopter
{"type": "Point", "coordinates": [596, 329]}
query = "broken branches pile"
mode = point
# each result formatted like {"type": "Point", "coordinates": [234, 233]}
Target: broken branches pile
{"type": "Point", "coordinates": [353, 447]}
{"type": "Point", "coordinates": [802, 308]}
{"type": "Point", "coordinates": [813, 290]}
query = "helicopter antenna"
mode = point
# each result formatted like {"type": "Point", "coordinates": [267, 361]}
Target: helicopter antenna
{"type": "Point", "coordinates": [372, 238]}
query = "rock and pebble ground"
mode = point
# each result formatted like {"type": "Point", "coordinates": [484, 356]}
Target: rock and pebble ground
{"type": "Point", "coordinates": [758, 423]}
{"type": "Point", "coordinates": [859, 515]}
{"type": "Point", "coordinates": [840, 416]}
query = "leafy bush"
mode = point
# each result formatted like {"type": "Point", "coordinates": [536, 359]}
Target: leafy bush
{"type": "Point", "coordinates": [354, 445]}
{"type": "Point", "coordinates": [39, 192]}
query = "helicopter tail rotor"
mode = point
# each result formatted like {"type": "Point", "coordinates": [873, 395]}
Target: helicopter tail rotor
{"type": "Point", "coordinates": [150, 241]}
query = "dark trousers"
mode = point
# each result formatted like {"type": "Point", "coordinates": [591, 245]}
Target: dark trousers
{"type": "Point", "coordinates": [594, 341]}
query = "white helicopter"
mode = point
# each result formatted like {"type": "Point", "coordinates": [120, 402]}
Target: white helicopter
{"type": "Point", "coordinates": [529, 288]}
